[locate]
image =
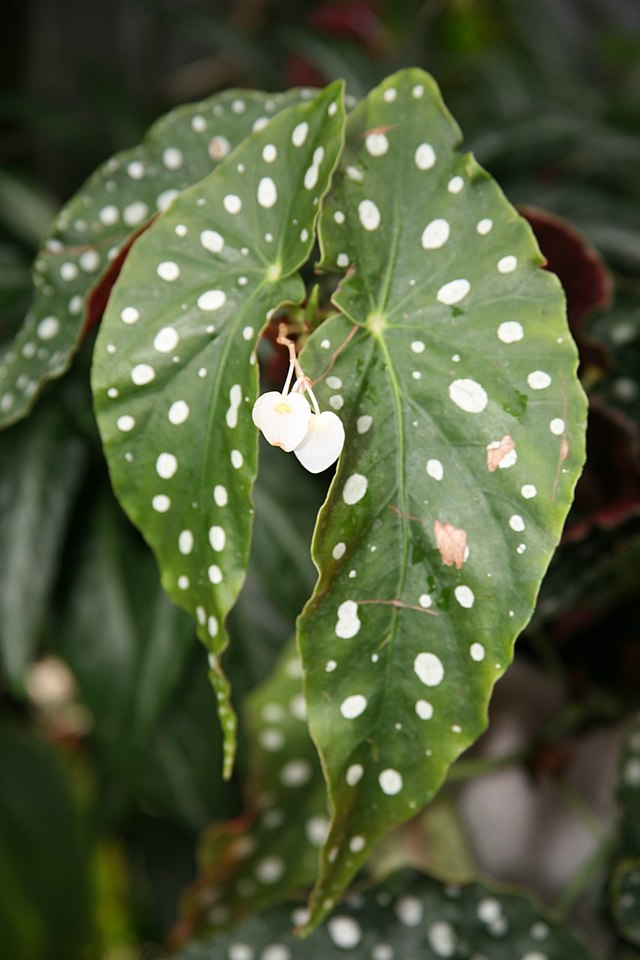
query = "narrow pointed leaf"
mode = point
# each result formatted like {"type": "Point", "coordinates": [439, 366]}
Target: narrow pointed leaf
{"type": "Point", "coordinates": [117, 201]}
{"type": "Point", "coordinates": [454, 373]}
{"type": "Point", "coordinates": [410, 915]}
{"type": "Point", "coordinates": [174, 375]}
{"type": "Point", "coordinates": [270, 853]}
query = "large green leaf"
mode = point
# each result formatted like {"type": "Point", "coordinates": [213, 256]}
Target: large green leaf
{"type": "Point", "coordinates": [174, 373]}
{"type": "Point", "coordinates": [409, 916]}
{"type": "Point", "coordinates": [100, 220]}
{"type": "Point", "coordinates": [41, 467]}
{"type": "Point", "coordinates": [454, 372]}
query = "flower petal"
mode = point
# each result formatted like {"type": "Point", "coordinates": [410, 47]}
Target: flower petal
{"type": "Point", "coordinates": [284, 420]}
{"type": "Point", "coordinates": [323, 443]}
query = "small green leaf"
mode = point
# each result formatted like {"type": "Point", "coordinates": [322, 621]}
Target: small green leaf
{"type": "Point", "coordinates": [94, 226]}
{"type": "Point", "coordinates": [408, 916]}
{"type": "Point", "coordinates": [174, 375]}
{"type": "Point", "coordinates": [41, 468]}
{"type": "Point", "coordinates": [453, 369]}
{"type": "Point", "coordinates": [271, 851]}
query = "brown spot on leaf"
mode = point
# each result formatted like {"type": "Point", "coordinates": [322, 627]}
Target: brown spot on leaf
{"type": "Point", "coordinates": [451, 542]}
{"type": "Point", "coordinates": [498, 450]}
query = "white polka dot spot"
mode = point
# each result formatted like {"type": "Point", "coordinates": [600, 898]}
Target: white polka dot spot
{"type": "Point", "coordinates": [345, 932]}
{"type": "Point", "coordinates": [178, 412]}
{"type": "Point", "coordinates": [507, 264]}
{"type": "Point", "coordinates": [355, 488]}
{"type": "Point", "coordinates": [172, 158]}
{"type": "Point", "coordinates": [510, 331]}
{"type": "Point", "coordinates": [129, 315]}
{"type": "Point", "coordinates": [377, 144]}
{"type": "Point", "coordinates": [232, 203]}
{"type": "Point", "coordinates": [161, 503]}
{"type": "Point", "coordinates": [135, 213]}
{"type": "Point", "coordinates": [220, 495]}
{"type": "Point", "coordinates": [464, 596]}
{"type": "Point", "coordinates": [142, 374]}
{"type": "Point", "coordinates": [468, 395]}
{"type": "Point", "coordinates": [168, 270]}
{"type": "Point", "coordinates": [354, 773]}
{"type": "Point", "coordinates": [214, 573]}
{"type": "Point", "coordinates": [557, 426]}
{"type": "Point", "coordinates": [424, 709]}
{"type": "Point", "coordinates": [435, 469]}
{"type": "Point", "coordinates": [476, 651]}
{"type": "Point", "coordinates": [185, 542]}
{"type": "Point", "coordinates": [166, 340]}
{"type": "Point", "coordinates": [270, 869]}
{"type": "Point", "coordinates": [267, 193]}
{"type": "Point", "coordinates": [442, 938]}
{"type": "Point", "coordinates": [125, 423]}
{"type": "Point", "coordinates": [409, 911]}
{"type": "Point", "coordinates": [353, 706]}
{"type": "Point", "coordinates": [453, 292]}
{"type": "Point", "coordinates": [484, 226]}
{"type": "Point", "coordinates": [212, 300]}
{"type": "Point", "coordinates": [369, 215]}
{"type": "Point", "coordinates": [435, 234]}
{"type": "Point", "coordinates": [166, 465]}
{"type": "Point", "coordinates": [455, 185]}
{"type": "Point", "coordinates": [48, 328]}
{"type": "Point", "coordinates": [212, 241]}
{"type": "Point", "coordinates": [417, 346]}
{"type": "Point", "coordinates": [296, 773]}
{"type": "Point", "coordinates": [237, 459]}
{"type": "Point", "coordinates": [425, 156]}
{"type": "Point", "coordinates": [338, 551]}
{"type": "Point", "coordinates": [364, 423]}
{"type": "Point", "coordinates": [425, 600]}
{"type": "Point", "coordinates": [539, 380]}
{"type": "Point", "coordinates": [217, 538]}
{"type": "Point", "coordinates": [390, 782]}
{"type": "Point", "coordinates": [348, 623]}
{"type": "Point", "coordinates": [516, 523]}
{"type": "Point", "coordinates": [528, 491]}
{"type": "Point", "coordinates": [299, 134]}
{"type": "Point", "coordinates": [428, 668]}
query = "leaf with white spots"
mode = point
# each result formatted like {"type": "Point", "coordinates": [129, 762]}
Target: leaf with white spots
{"type": "Point", "coordinates": [271, 852]}
{"type": "Point", "coordinates": [624, 883]}
{"type": "Point", "coordinates": [410, 915]}
{"type": "Point", "coordinates": [94, 228]}
{"type": "Point", "coordinates": [465, 436]}
{"type": "Point", "coordinates": [174, 374]}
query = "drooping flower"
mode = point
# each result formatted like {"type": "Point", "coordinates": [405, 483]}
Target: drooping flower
{"type": "Point", "coordinates": [283, 418]}
{"type": "Point", "coordinates": [323, 442]}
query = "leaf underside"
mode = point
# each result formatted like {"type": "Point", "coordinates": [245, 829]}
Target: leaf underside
{"type": "Point", "coordinates": [453, 370]}
{"type": "Point", "coordinates": [116, 202]}
{"type": "Point", "coordinates": [174, 374]}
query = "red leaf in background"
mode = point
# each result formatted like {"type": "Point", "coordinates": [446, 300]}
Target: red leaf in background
{"type": "Point", "coordinates": [100, 293]}
{"type": "Point", "coordinates": [350, 21]}
{"type": "Point", "coordinates": [584, 275]}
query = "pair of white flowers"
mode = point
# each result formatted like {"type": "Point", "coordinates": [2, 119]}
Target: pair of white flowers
{"type": "Point", "coordinates": [287, 420]}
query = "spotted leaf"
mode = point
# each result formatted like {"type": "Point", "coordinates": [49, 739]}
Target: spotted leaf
{"type": "Point", "coordinates": [174, 374]}
{"type": "Point", "coordinates": [89, 233]}
{"type": "Point", "coordinates": [430, 554]}
{"type": "Point", "coordinates": [410, 915]}
{"type": "Point", "coordinates": [271, 851]}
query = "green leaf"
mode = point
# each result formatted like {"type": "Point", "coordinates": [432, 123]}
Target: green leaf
{"type": "Point", "coordinates": [91, 230]}
{"type": "Point", "coordinates": [45, 908]}
{"type": "Point", "coordinates": [41, 468]}
{"type": "Point", "coordinates": [174, 374]}
{"type": "Point", "coordinates": [453, 369]}
{"type": "Point", "coordinates": [271, 852]}
{"type": "Point", "coordinates": [408, 916]}
{"type": "Point", "coordinates": [619, 329]}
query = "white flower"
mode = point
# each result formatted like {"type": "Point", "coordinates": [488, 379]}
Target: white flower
{"type": "Point", "coordinates": [283, 418]}
{"type": "Point", "coordinates": [323, 442]}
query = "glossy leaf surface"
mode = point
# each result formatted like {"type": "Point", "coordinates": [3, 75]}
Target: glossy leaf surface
{"type": "Point", "coordinates": [174, 373]}
{"type": "Point", "coordinates": [453, 370]}
{"type": "Point", "coordinates": [410, 915]}
{"type": "Point", "coordinates": [121, 197]}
